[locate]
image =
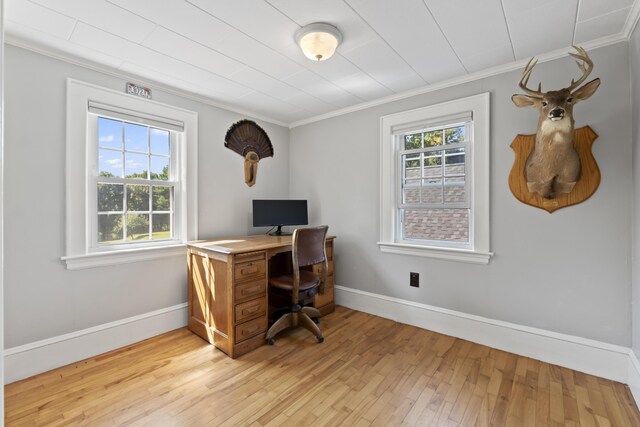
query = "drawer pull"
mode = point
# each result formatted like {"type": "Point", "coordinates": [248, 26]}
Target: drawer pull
{"type": "Point", "coordinates": [247, 271]}
{"type": "Point", "coordinates": [250, 331]}
{"type": "Point", "coordinates": [250, 290]}
{"type": "Point", "coordinates": [251, 310]}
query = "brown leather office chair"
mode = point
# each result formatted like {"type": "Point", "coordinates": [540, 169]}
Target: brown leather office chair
{"type": "Point", "coordinates": [307, 248]}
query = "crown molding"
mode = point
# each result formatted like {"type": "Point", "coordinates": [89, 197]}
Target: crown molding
{"type": "Point", "coordinates": [114, 72]}
{"type": "Point", "coordinates": [623, 36]}
{"type": "Point", "coordinates": [632, 20]}
{"type": "Point", "coordinates": [489, 72]}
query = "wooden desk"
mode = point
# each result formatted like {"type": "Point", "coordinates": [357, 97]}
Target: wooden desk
{"type": "Point", "coordinates": [228, 288]}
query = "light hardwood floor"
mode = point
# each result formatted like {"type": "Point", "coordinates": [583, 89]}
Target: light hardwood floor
{"type": "Point", "coordinates": [369, 371]}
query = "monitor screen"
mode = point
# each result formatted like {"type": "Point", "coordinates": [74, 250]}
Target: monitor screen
{"type": "Point", "coordinates": [268, 213]}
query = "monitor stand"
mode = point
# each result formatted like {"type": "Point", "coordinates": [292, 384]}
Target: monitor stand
{"type": "Point", "coordinates": [279, 232]}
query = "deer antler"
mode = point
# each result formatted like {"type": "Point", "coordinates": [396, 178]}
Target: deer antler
{"type": "Point", "coordinates": [524, 80]}
{"type": "Point", "coordinates": [584, 63]}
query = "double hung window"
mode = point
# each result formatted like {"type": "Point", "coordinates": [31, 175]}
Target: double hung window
{"type": "Point", "coordinates": [131, 177]}
{"type": "Point", "coordinates": [434, 200]}
{"type": "Point", "coordinates": [136, 183]}
{"type": "Point", "coordinates": [435, 181]}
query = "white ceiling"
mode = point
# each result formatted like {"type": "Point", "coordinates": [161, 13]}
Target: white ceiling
{"type": "Point", "coordinates": [241, 53]}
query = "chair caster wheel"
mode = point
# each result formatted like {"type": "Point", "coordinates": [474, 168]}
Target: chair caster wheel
{"type": "Point", "coordinates": [271, 341]}
{"type": "Point", "coordinates": [316, 320]}
{"type": "Point", "coordinates": [320, 340]}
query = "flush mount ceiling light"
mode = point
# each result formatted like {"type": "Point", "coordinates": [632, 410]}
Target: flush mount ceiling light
{"type": "Point", "coordinates": [318, 41]}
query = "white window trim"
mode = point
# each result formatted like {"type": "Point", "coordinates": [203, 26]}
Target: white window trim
{"type": "Point", "coordinates": [79, 235]}
{"type": "Point", "coordinates": [480, 253]}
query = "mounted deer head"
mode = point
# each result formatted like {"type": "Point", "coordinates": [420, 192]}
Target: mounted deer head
{"type": "Point", "coordinates": [553, 167]}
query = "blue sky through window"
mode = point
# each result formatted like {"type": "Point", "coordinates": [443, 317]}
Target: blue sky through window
{"type": "Point", "coordinates": [135, 138]}
{"type": "Point", "coordinates": [143, 149]}
{"type": "Point", "coordinates": [159, 141]}
{"type": "Point", "coordinates": [110, 162]}
{"type": "Point", "coordinates": [135, 164]}
{"type": "Point", "coordinates": [110, 133]}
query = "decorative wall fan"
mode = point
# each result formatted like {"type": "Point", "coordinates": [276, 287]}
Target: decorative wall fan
{"type": "Point", "coordinates": [251, 142]}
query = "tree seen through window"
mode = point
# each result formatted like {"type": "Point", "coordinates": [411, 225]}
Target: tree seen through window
{"type": "Point", "coordinates": [135, 192]}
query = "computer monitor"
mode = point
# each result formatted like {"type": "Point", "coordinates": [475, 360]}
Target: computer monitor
{"type": "Point", "coordinates": [276, 213]}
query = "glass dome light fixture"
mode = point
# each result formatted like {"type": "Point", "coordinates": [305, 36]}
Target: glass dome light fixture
{"type": "Point", "coordinates": [319, 40]}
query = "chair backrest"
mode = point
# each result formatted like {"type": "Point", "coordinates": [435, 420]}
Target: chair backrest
{"type": "Point", "coordinates": [308, 245]}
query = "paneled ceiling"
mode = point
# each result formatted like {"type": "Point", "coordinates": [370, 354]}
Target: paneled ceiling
{"type": "Point", "coordinates": [242, 54]}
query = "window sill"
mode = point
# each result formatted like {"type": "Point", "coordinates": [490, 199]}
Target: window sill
{"type": "Point", "coordinates": [448, 254]}
{"type": "Point", "coordinates": [80, 262]}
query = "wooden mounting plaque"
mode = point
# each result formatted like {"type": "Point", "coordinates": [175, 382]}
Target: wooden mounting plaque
{"type": "Point", "coordinates": [586, 185]}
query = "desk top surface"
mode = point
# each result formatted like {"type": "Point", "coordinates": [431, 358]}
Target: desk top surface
{"type": "Point", "coordinates": [240, 244]}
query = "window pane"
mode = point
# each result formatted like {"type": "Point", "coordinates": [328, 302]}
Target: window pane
{"type": "Point", "coordinates": [110, 163]}
{"type": "Point", "coordinates": [110, 197]}
{"type": "Point", "coordinates": [159, 141]}
{"type": "Point", "coordinates": [136, 165]}
{"type": "Point", "coordinates": [137, 226]}
{"type": "Point", "coordinates": [161, 198]}
{"type": "Point", "coordinates": [432, 190]}
{"type": "Point", "coordinates": [109, 228]}
{"type": "Point", "coordinates": [161, 226]}
{"type": "Point", "coordinates": [436, 224]}
{"type": "Point", "coordinates": [454, 135]}
{"type": "Point", "coordinates": [433, 164]}
{"type": "Point", "coordinates": [160, 168]}
{"type": "Point", "coordinates": [413, 141]}
{"type": "Point", "coordinates": [411, 165]}
{"type": "Point", "coordinates": [109, 133]}
{"type": "Point", "coordinates": [454, 191]}
{"type": "Point", "coordinates": [433, 138]}
{"type": "Point", "coordinates": [454, 160]}
{"type": "Point", "coordinates": [135, 138]}
{"type": "Point", "coordinates": [138, 198]}
{"type": "Point", "coordinates": [411, 191]}
{"type": "Point", "coordinates": [456, 177]}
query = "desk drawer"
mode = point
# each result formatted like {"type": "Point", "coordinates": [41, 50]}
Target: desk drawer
{"type": "Point", "coordinates": [251, 329]}
{"type": "Point", "coordinates": [250, 290]}
{"type": "Point", "coordinates": [251, 309]}
{"type": "Point", "coordinates": [317, 268]}
{"type": "Point", "coordinates": [323, 299]}
{"type": "Point", "coordinates": [249, 270]}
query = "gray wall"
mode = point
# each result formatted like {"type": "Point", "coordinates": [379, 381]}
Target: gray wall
{"type": "Point", "coordinates": [634, 62]}
{"type": "Point", "coordinates": [42, 298]}
{"type": "Point", "coordinates": [567, 272]}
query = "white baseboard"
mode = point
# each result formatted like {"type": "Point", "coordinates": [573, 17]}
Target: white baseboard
{"type": "Point", "coordinates": [41, 356]}
{"type": "Point", "coordinates": [589, 356]}
{"type": "Point", "coordinates": [592, 357]}
{"type": "Point", "coordinates": [634, 377]}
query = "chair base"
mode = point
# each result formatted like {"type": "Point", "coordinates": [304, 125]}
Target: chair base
{"type": "Point", "coordinates": [292, 319]}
